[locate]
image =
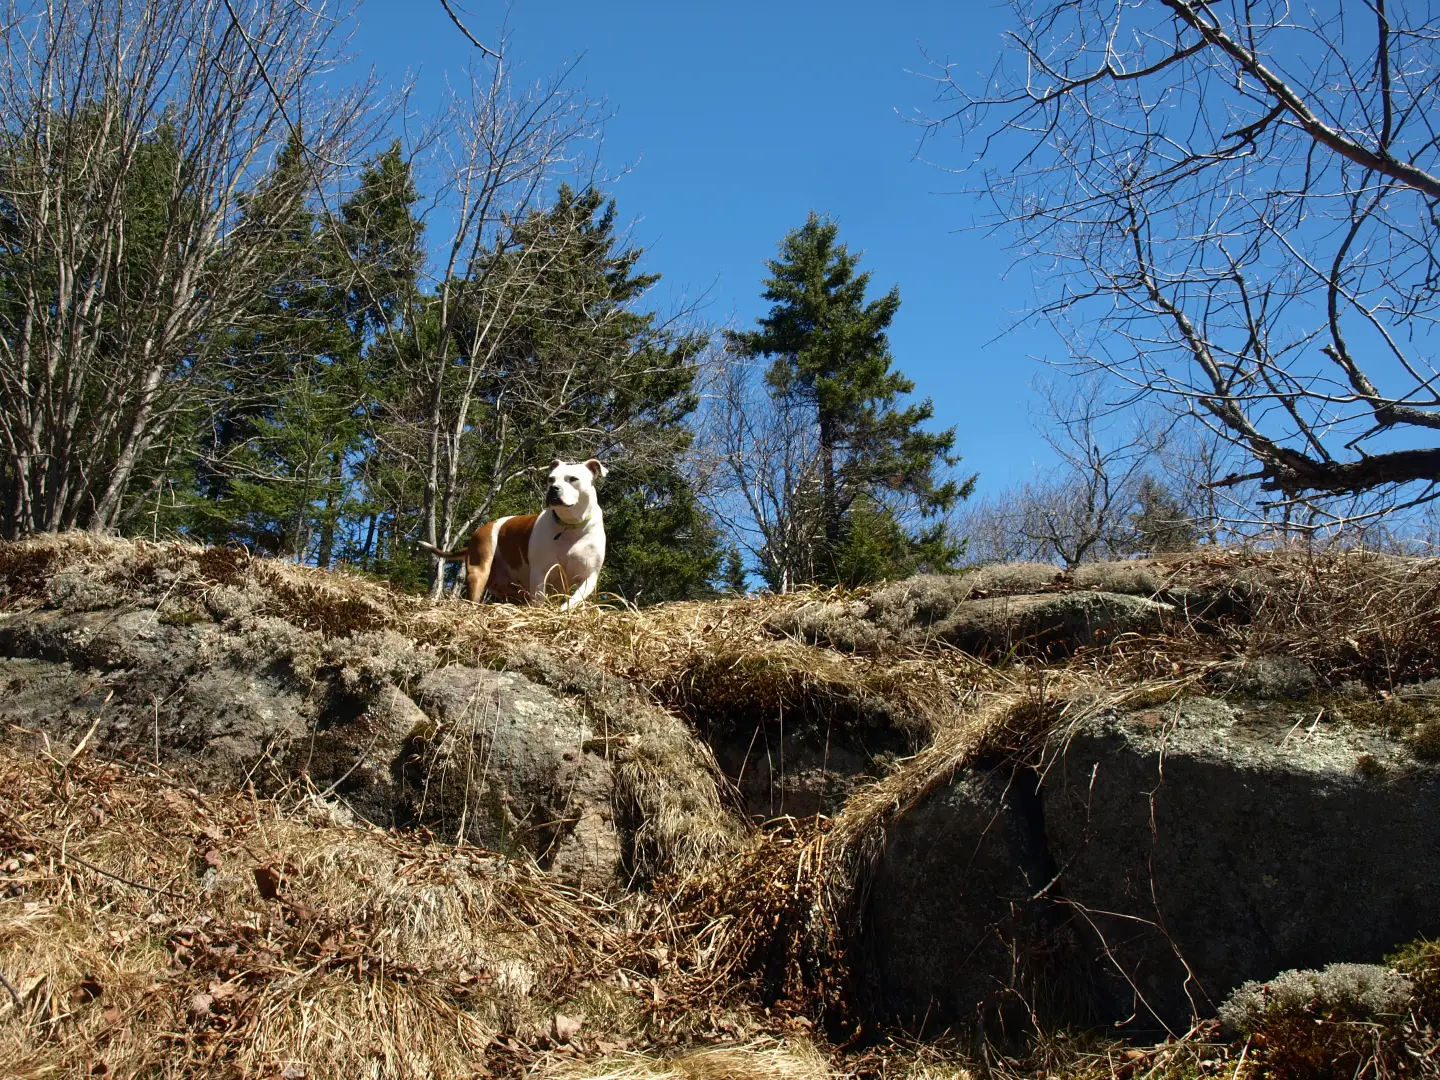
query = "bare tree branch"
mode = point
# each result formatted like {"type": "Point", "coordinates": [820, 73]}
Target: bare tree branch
{"type": "Point", "coordinates": [468, 35]}
{"type": "Point", "coordinates": [1196, 181]}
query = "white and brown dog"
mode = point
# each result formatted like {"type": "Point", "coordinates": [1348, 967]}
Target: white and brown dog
{"type": "Point", "coordinates": [521, 558]}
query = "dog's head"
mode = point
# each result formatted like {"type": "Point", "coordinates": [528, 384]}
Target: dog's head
{"type": "Point", "coordinates": [571, 485]}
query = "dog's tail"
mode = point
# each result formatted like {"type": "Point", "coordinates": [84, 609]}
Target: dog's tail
{"type": "Point", "coordinates": [452, 556]}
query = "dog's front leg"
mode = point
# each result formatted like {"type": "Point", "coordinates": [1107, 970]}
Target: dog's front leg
{"type": "Point", "coordinates": [541, 580]}
{"type": "Point", "coordinates": [586, 588]}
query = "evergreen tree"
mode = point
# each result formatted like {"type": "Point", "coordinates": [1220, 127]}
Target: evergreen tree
{"type": "Point", "coordinates": [295, 427]}
{"type": "Point", "coordinates": [616, 376]}
{"type": "Point", "coordinates": [733, 579]}
{"type": "Point", "coordinates": [661, 544]}
{"type": "Point", "coordinates": [269, 468]}
{"type": "Point", "coordinates": [829, 351]}
{"type": "Point", "coordinates": [553, 354]}
{"type": "Point", "coordinates": [1159, 522]}
{"type": "Point", "coordinates": [377, 265]}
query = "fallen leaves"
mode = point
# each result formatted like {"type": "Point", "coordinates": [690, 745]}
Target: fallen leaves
{"type": "Point", "coordinates": [565, 1028]}
{"type": "Point", "coordinates": [267, 880]}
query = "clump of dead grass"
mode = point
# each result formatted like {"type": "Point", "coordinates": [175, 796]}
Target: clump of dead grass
{"type": "Point", "coordinates": [679, 820]}
{"type": "Point", "coordinates": [1348, 615]}
{"type": "Point", "coordinates": [764, 1060]}
{"type": "Point", "coordinates": [154, 931]}
{"type": "Point", "coordinates": [781, 915]}
{"type": "Point", "coordinates": [737, 688]}
{"type": "Point", "coordinates": [150, 930]}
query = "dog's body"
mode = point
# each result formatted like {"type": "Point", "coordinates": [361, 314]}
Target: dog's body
{"type": "Point", "coordinates": [521, 558]}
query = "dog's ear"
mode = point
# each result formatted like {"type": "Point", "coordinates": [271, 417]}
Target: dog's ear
{"type": "Point", "coordinates": [556, 463]}
{"type": "Point", "coordinates": [597, 469]}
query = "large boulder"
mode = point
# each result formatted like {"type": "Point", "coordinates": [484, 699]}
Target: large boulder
{"type": "Point", "coordinates": [951, 915]}
{"type": "Point", "coordinates": [149, 691]}
{"type": "Point", "coordinates": [366, 721]}
{"type": "Point", "coordinates": [1048, 622]}
{"type": "Point", "coordinates": [504, 763]}
{"type": "Point", "coordinates": [991, 612]}
{"type": "Point", "coordinates": [1194, 847]}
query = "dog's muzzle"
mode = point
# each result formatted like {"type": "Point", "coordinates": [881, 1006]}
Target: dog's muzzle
{"type": "Point", "coordinates": [553, 497]}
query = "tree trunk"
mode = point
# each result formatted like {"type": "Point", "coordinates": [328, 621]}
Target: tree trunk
{"type": "Point", "coordinates": [829, 499]}
{"type": "Point", "coordinates": [324, 552]}
{"type": "Point", "coordinates": [369, 542]}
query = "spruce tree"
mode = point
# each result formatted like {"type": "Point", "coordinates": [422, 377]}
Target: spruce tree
{"type": "Point", "coordinates": [556, 355]}
{"type": "Point", "coordinates": [1159, 521]}
{"type": "Point", "coordinates": [628, 382]}
{"type": "Point", "coordinates": [829, 351]}
{"type": "Point", "coordinates": [376, 256]}
{"type": "Point", "coordinates": [268, 463]}
{"type": "Point", "coordinates": [292, 439]}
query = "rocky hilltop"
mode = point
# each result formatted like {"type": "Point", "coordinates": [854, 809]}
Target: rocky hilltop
{"type": "Point", "coordinates": [1008, 802]}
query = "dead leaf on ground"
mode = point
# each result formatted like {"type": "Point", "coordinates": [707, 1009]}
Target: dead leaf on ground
{"type": "Point", "coordinates": [221, 990]}
{"type": "Point", "coordinates": [86, 990]}
{"type": "Point", "coordinates": [267, 880]}
{"type": "Point", "coordinates": [567, 1027]}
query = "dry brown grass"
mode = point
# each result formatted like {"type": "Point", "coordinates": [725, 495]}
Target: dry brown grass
{"type": "Point", "coordinates": [391, 956]}
{"type": "Point", "coordinates": [778, 918]}
{"type": "Point", "coordinates": [656, 648]}
{"type": "Point", "coordinates": [1353, 615]}
{"type": "Point", "coordinates": [163, 933]}
{"type": "Point", "coordinates": [767, 1060]}
{"type": "Point", "coordinates": [151, 931]}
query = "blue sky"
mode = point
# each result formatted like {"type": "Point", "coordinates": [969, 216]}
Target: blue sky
{"type": "Point", "coordinates": [729, 121]}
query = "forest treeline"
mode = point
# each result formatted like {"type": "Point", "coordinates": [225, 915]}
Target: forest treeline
{"type": "Point", "coordinates": [233, 307]}
{"type": "Point", "coordinates": [230, 310]}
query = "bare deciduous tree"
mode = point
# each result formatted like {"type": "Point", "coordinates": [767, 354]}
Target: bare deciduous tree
{"type": "Point", "coordinates": [507, 148]}
{"type": "Point", "coordinates": [1234, 205]}
{"type": "Point", "coordinates": [1084, 507]}
{"type": "Point", "coordinates": [131, 138]}
{"type": "Point", "coordinates": [761, 471]}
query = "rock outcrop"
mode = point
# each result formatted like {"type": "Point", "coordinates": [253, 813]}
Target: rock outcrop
{"type": "Point", "coordinates": [370, 721]}
{"type": "Point", "coordinates": [1028, 608]}
{"type": "Point", "coordinates": [1144, 864]}
{"type": "Point", "coordinates": [980, 865]}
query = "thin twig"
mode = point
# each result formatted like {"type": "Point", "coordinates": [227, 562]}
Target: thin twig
{"type": "Point", "coordinates": [66, 856]}
{"type": "Point", "coordinates": [123, 880]}
{"type": "Point", "coordinates": [473, 40]}
{"type": "Point", "coordinates": [14, 994]}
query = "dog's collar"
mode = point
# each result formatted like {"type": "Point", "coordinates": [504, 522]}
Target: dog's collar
{"type": "Point", "coordinates": [566, 526]}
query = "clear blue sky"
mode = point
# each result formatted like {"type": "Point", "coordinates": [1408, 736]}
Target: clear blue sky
{"type": "Point", "coordinates": [732, 120]}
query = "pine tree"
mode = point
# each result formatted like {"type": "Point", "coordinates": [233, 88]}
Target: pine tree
{"type": "Point", "coordinates": [829, 351]}
{"type": "Point", "coordinates": [294, 431]}
{"type": "Point", "coordinates": [628, 382]}
{"type": "Point", "coordinates": [377, 254]}
{"type": "Point", "coordinates": [1159, 522]}
{"type": "Point", "coordinates": [268, 459]}
{"type": "Point", "coordinates": [734, 581]}
{"type": "Point", "coordinates": [661, 543]}
{"type": "Point", "coordinates": [552, 353]}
